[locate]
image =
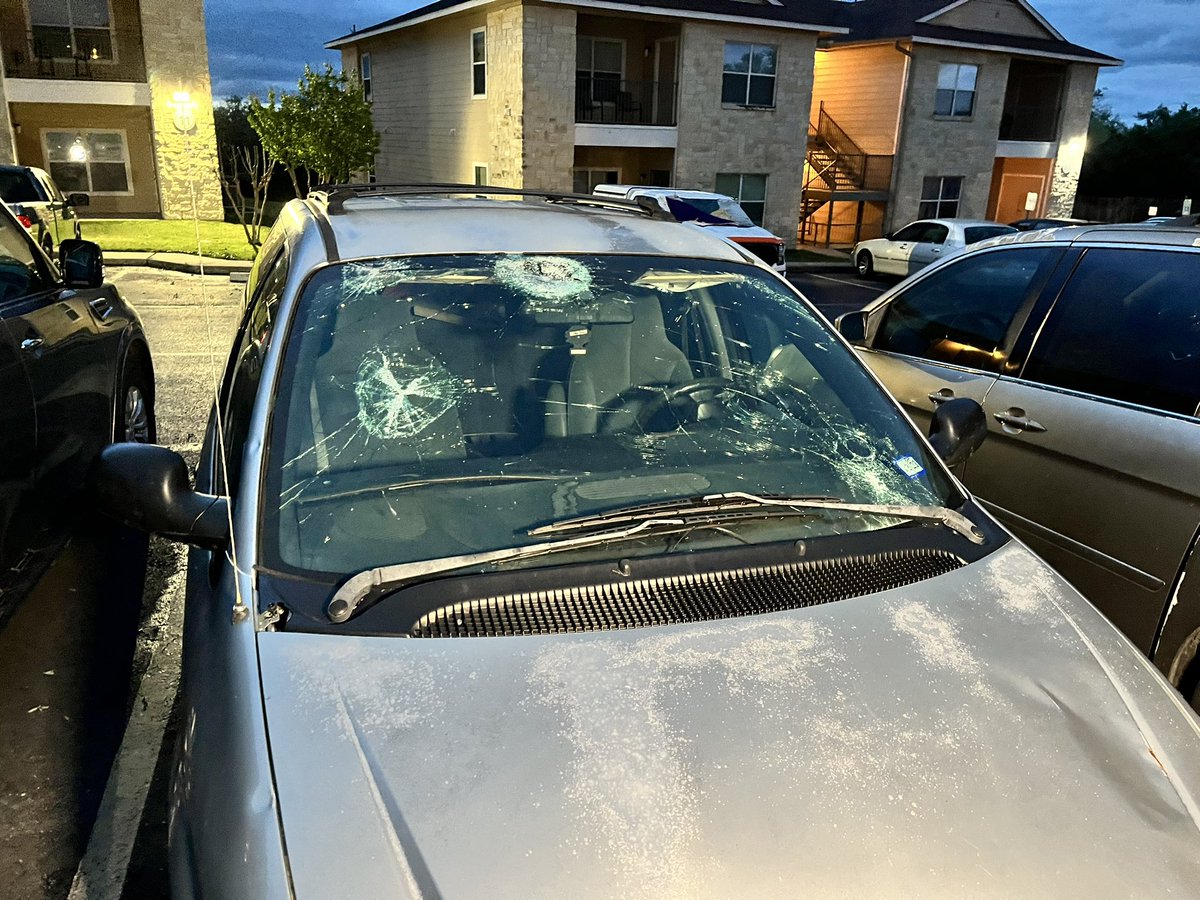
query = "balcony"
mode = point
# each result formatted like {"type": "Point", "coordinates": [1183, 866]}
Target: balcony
{"type": "Point", "coordinates": [620, 101]}
{"type": "Point", "coordinates": [93, 54]}
{"type": "Point", "coordinates": [1032, 102]}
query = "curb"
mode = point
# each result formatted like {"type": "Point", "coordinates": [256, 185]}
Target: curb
{"type": "Point", "coordinates": [180, 262]}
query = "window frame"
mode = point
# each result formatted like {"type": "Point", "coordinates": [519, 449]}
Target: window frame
{"type": "Point", "coordinates": [741, 177]}
{"type": "Point", "coordinates": [591, 69]}
{"type": "Point", "coordinates": [110, 60]}
{"type": "Point", "coordinates": [939, 202]}
{"type": "Point", "coordinates": [1028, 317]}
{"type": "Point", "coordinates": [749, 74]}
{"type": "Point", "coordinates": [364, 75]}
{"type": "Point", "coordinates": [1043, 313]}
{"type": "Point", "coordinates": [82, 131]}
{"type": "Point", "coordinates": [956, 91]}
{"type": "Point", "coordinates": [591, 170]}
{"type": "Point", "coordinates": [478, 64]}
{"type": "Point", "coordinates": [486, 175]}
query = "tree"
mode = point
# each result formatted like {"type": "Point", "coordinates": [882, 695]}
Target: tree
{"type": "Point", "coordinates": [1158, 156]}
{"type": "Point", "coordinates": [232, 124]}
{"type": "Point", "coordinates": [245, 176]}
{"type": "Point", "coordinates": [324, 128]}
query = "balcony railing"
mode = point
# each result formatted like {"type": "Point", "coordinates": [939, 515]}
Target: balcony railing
{"type": "Point", "coordinates": [623, 102]}
{"type": "Point", "coordinates": [95, 54]}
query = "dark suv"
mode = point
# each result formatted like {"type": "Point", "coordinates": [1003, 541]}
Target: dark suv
{"type": "Point", "coordinates": [40, 206]}
{"type": "Point", "coordinates": [1083, 345]}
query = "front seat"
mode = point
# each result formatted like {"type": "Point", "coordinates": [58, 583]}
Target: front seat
{"type": "Point", "coordinates": [618, 359]}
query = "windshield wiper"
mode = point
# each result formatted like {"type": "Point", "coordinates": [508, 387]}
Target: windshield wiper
{"type": "Point", "coordinates": [668, 517]}
{"type": "Point", "coordinates": [741, 501]}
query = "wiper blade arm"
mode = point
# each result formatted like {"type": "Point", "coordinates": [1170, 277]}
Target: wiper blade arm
{"type": "Point", "coordinates": [347, 598]}
{"type": "Point", "coordinates": [739, 501]}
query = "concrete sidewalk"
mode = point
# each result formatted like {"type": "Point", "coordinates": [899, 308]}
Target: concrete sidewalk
{"type": "Point", "coordinates": [179, 262]}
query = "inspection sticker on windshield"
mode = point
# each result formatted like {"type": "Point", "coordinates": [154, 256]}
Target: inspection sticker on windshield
{"type": "Point", "coordinates": [909, 466]}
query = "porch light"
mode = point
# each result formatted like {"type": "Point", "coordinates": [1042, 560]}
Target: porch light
{"type": "Point", "coordinates": [77, 153]}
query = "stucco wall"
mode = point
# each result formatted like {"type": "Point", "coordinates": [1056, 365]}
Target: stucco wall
{"type": "Point", "coordinates": [715, 138]}
{"type": "Point", "coordinates": [1072, 142]}
{"type": "Point", "coordinates": [933, 145]}
{"type": "Point", "coordinates": [176, 51]}
{"type": "Point", "coordinates": [134, 121]}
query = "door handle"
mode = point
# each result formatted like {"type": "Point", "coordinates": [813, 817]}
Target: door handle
{"type": "Point", "coordinates": [32, 343]}
{"type": "Point", "coordinates": [1016, 419]}
{"type": "Point", "coordinates": [941, 396]}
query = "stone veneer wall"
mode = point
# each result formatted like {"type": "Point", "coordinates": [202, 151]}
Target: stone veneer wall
{"type": "Point", "coordinates": [177, 60]}
{"type": "Point", "coordinates": [505, 100]}
{"type": "Point", "coordinates": [935, 145]}
{"type": "Point", "coordinates": [719, 138]}
{"type": "Point", "coordinates": [8, 148]}
{"type": "Point", "coordinates": [1072, 139]}
{"type": "Point", "coordinates": [548, 151]}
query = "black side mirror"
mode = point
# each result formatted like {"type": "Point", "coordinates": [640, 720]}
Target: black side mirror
{"type": "Point", "coordinates": [78, 199]}
{"type": "Point", "coordinates": [852, 326]}
{"type": "Point", "coordinates": [82, 263]}
{"type": "Point", "coordinates": [957, 429]}
{"type": "Point", "coordinates": [147, 487]}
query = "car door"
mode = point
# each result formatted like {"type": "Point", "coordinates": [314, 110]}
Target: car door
{"type": "Point", "coordinates": [64, 346]}
{"type": "Point", "coordinates": [929, 247]}
{"type": "Point", "coordinates": [893, 254]}
{"type": "Point", "coordinates": [949, 333]}
{"type": "Point", "coordinates": [18, 446]}
{"type": "Point", "coordinates": [58, 213]}
{"type": "Point", "coordinates": [1094, 452]}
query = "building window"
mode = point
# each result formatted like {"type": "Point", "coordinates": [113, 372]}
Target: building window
{"type": "Point", "coordinates": [599, 68]}
{"type": "Point", "coordinates": [95, 162]}
{"type": "Point", "coordinates": [749, 77]}
{"type": "Point", "coordinates": [956, 90]}
{"type": "Point", "coordinates": [80, 29]}
{"type": "Point", "coordinates": [479, 62]}
{"type": "Point", "coordinates": [481, 174]}
{"type": "Point", "coordinates": [587, 179]}
{"type": "Point", "coordinates": [939, 197]}
{"type": "Point", "coordinates": [364, 74]}
{"type": "Point", "coordinates": [750, 191]}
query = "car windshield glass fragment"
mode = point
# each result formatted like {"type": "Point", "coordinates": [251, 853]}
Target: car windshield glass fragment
{"type": "Point", "coordinates": [437, 406]}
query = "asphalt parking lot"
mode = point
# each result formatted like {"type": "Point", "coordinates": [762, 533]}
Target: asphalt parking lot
{"type": "Point", "coordinates": [89, 636]}
{"type": "Point", "coordinates": [89, 648]}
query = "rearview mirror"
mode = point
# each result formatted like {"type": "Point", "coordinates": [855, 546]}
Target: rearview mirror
{"type": "Point", "coordinates": [852, 326]}
{"type": "Point", "coordinates": [82, 263]}
{"type": "Point", "coordinates": [147, 487]}
{"type": "Point", "coordinates": [957, 429]}
{"type": "Point", "coordinates": [78, 199]}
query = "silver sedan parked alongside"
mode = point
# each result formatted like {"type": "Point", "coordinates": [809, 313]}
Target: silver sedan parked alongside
{"type": "Point", "coordinates": [923, 242]}
{"type": "Point", "coordinates": [542, 548]}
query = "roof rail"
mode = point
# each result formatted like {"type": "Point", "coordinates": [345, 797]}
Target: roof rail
{"type": "Point", "coordinates": [337, 194]}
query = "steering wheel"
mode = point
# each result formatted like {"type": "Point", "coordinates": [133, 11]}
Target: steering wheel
{"type": "Point", "coordinates": [695, 393]}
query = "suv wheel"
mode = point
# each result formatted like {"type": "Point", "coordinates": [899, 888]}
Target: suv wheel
{"type": "Point", "coordinates": [135, 412]}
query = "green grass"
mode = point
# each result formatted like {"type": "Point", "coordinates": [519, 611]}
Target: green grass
{"type": "Point", "coordinates": [223, 240]}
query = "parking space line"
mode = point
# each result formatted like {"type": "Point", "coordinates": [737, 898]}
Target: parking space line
{"type": "Point", "coordinates": [102, 871]}
{"type": "Point", "coordinates": [857, 284]}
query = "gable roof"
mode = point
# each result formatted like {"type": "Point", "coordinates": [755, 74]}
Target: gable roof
{"type": "Point", "coordinates": [872, 21]}
{"type": "Point", "coordinates": [822, 16]}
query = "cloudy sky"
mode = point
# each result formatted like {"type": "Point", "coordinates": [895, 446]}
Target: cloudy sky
{"type": "Point", "coordinates": [257, 44]}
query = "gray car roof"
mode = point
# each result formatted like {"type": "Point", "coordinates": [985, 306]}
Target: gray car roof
{"type": "Point", "coordinates": [396, 226]}
{"type": "Point", "coordinates": [1133, 235]}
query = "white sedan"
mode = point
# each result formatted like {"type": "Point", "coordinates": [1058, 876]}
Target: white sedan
{"type": "Point", "coordinates": [917, 245]}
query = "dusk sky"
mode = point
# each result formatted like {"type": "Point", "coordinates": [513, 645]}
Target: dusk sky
{"type": "Point", "coordinates": [253, 45]}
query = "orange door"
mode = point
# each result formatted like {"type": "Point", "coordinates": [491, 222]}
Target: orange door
{"type": "Point", "coordinates": [1014, 193]}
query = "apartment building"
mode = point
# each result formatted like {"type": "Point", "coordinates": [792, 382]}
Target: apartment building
{"type": "Point", "coordinates": [828, 120]}
{"type": "Point", "coordinates": [698, 94]}
{"type": "Point", "coordinates": [113, 98]}
{"type": "Point", "coordinates": [973, 108]}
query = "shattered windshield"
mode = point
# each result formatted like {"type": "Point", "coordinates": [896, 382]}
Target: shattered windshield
{"type": "Point", "coordinates": [436, 406]}
{"type": "Point", "coordinates": [724, 210]}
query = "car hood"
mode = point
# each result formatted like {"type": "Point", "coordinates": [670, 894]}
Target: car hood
{"type": "Point", "coordinates": [982, 733]}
